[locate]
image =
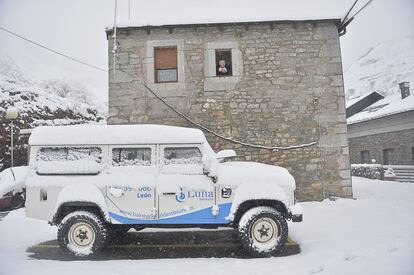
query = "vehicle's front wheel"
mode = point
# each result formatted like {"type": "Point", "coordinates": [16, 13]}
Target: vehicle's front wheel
{"type": "Point", "coordinates": [82, 234]}
{"type": "Point", "coordinates": [263, 231]}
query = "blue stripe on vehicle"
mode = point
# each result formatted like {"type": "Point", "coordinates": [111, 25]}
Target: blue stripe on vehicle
{"type": "Point", "coordinates": [202, 216]}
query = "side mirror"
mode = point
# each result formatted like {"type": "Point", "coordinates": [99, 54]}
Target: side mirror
{"type": "Point", "coordinates": [223, 154]}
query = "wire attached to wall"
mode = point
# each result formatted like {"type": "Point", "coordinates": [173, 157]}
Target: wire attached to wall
{"type": "Point", "coordinates": [199, 125]}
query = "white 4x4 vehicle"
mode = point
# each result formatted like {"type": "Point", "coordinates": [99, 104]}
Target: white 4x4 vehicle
{"type": "Point", "coordinates": [97, 182]}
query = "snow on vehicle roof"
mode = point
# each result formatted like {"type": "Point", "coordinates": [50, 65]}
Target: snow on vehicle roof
{"type": "Point", "coordinates": [224, 12]}
{"type": "Point", "coordinates": [114, 134]}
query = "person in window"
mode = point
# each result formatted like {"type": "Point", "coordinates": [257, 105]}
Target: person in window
{"type": "Point", "coordinates": [223, 69]}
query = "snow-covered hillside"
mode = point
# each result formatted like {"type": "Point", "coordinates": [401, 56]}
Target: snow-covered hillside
{"type": "Point", "coordinates": [381, 68]}
{"type": "Point", "coordinates": [44, 100]}
{"type": "Point", "coordinates": [49, 102]}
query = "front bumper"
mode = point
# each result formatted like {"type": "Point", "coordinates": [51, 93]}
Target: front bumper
{"type": "Point", "coordinates": [295, 213]}
{"type": "Point", "coordinates": [297, 218]}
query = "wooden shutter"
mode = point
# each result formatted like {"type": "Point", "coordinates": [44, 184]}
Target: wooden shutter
{"type": "Point", "coordinates": [165, 58]}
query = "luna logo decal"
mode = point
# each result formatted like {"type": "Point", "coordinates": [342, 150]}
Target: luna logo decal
{"type": "Point", "coordinates": [180, 197]}
{"type": "Point", "coordinates": [201, 195]}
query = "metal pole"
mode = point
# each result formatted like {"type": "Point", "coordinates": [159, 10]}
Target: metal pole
{"type": "Point", "coordinates": [12, 144]}
{"type": "Point", "coordinates": [129, 10]}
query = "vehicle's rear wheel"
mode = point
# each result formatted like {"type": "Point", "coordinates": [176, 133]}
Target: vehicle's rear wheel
{"type": "Point", "coordinates": [82, 234]}
{"type": "Point", "coordinates": [263, 231]}
{"type": "Point", "coordinates": [18, 201]}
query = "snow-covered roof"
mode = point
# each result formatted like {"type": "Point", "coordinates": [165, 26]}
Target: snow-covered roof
{"type": "Point", "coordinates": [353, 100]}
{"type": "Point", "coordinates": [390, 105]}
{"type": "Point", "coordinates": [114, 134]}
{"type": "Point", "coordinates": [240, 11]}
{"type": "Point", "coordinates": [138, 24]}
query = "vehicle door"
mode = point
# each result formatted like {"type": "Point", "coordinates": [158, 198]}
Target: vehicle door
{"type": "Point", "coordinates": [131, 184]}
{"type": "Point", "coordinates": [185, 194]}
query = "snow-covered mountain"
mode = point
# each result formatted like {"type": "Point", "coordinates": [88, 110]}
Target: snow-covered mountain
{"type": "Point", "coordinates": [47, 102]}
{"type": "Point", "coordinates": [381, 69]}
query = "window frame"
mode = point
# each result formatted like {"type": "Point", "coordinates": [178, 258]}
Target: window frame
{"type": "Point", "coordinates": [153, 161]}
{"type": "Point", "coordinates": [362, 156]}
{"type": "Point", "coordinates": [231, 61]}
{"type": "Point", "coordinates": [164, 146]}
{"type": "Point", "coordinates": [156, 80]}
{"type": "Point", "coordinates": [68, 147]}
{"type": "Point", "coordinates": [131, 147]}
{"type": "Point", "coordinates": [165, 87]}
{"type": "Point", "coordinates": [211, 81]}
{"type": "Point", "coordinates": [388, 160]}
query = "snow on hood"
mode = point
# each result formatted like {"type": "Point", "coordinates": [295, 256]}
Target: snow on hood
{"type": "Point", "coordinates": [238, 172]}
{"type": "Point", "coordinates": [7, 181]}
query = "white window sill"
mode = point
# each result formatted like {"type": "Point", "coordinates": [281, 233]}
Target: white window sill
{"type": "Point", "coordinates": [219, 83]}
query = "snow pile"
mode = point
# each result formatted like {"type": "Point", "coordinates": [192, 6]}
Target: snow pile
{"type": "Point", "coordinates": [381, 69]}
{"type": "Point", "coordinates": [115, 134]}
{"type": "Point", "coordinates": [371, 235]}
{"type": "Point", "coordinates": [74, 167]}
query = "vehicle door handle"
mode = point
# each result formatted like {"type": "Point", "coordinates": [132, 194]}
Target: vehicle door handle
{"type": "Point", "coordinates": [169, 193]}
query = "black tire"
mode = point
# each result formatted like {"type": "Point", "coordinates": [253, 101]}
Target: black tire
{"type": "Point", "coordinates": [18, 201]}
{"type": "Point", "coordinates": [80, 226]}
{"type": "Point", "coordinates": [263, 231]}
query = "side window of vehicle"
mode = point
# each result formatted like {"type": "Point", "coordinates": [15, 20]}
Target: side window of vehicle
{"type": "Point", "coordinates": [69, 160]}
{"type": "Point", "coordinates": [70, 154]}
{"type": "Point", "coordinates": [182, 155]}
{"type": "Point", "coordinates": [131, 157]}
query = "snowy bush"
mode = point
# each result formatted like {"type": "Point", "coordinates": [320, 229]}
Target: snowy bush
{"type": "Point", "coordinates": [389, 173]}
{"type": "Point", "coordinates": [370, 171]}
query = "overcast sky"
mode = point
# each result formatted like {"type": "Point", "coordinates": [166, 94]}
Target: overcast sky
{"type": "Point", "coordinates": [76, 27]}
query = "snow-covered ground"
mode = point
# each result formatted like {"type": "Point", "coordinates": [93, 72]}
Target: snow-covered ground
{"type": "Point", "coordinates": [373, 234]}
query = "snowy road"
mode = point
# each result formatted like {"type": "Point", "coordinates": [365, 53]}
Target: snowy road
{"type": "Point", "coordinates": [371, 235]}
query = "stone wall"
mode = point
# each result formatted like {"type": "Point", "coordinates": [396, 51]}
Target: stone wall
{"type": "Point", "coordinates": [290, 92]}
{"type": "Point", "coordinates": [401, 141]}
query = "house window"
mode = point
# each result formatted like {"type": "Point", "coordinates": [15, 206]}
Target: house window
{"type": "Point", "coordinates": [224, 63]}
{"type": "Point", "coordinates": [365, 156]}
{"type": "Point", "coordinates": [388, 156]}
{"type": "Point", "coordinates": [165, 64]}
{"type": "Point", "coordinates": [227, 56]}
{"type": "Point", "coordinates": [412, 155]}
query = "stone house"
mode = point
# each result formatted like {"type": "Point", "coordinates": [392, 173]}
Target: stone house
{"type": "Point", "coordinates": [282, 86]}
{"type": "Point", "coordinates": [383, 129]}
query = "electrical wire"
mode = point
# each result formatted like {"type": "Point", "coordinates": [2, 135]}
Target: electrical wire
{"type": "Point", "coordinates": [275, 148]}
{"type": "Point", "coordinates": [199, 125]}
{"type": "Point", "coordinates": [52, 50]}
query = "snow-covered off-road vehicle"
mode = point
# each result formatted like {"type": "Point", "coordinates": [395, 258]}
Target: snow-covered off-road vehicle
{"type": "Point", "coordinates": [98, 182]}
